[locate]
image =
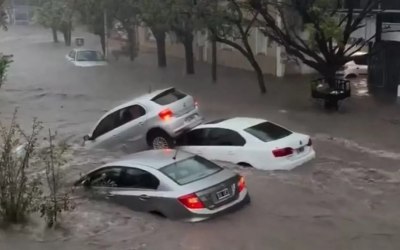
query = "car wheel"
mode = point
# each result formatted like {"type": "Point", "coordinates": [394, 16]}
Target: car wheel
{"type": "Point", "coordinates": [244, 165]}
{"type": "Point", "coordinates": [160, 140]}
{"type": "Point", "coordinates": [351, 76]}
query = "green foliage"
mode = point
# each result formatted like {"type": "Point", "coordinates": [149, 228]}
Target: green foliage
{"type": "Point", "coordinates": [19, 193]}
{"type": "Point", "coordinates": [156, 14]}
{"type": "Point", "coordinates": [23, 192]}
{"type": "Point", "coordinates": [5, 62]}
{"type": "Point", "coordinates": [56, 13]}
{"type": "Point", "coordinates": [57, 201]}
{"type": "Point", "coordinates": [323, 22]}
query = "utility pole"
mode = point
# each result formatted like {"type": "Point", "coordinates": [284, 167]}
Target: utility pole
{"type": "Point", "coordinates": [105, 35]}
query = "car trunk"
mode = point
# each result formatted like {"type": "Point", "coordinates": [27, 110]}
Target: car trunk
{"type": "Point", "coordinates": [182, 106]}
{"type": "Point", "coordinates": [218, 189]}
{"type": "Point", "coordinates": [298, 142]}
{"type": "Point", "coordinates": [178, 102]}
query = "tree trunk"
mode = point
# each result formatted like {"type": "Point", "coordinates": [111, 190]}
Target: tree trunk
{"type": "Point", "coordinates": [103, 43]}
{"type": "Point", "coordinates": [55, 35]}
{"type": "Point", "coordinates": [259, 73]}
{"type": "Point", "coordinates": [132, 43]}
{"type": "Point", "coordinates": [188, 44]}
{"type": "Point", "coordinates": [214, 60]}
{"type": "Point", "coordinates": [67, 32]}
{"type": "Point", "coordinates": [161, 53]}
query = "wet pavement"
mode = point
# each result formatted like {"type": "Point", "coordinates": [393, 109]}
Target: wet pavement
{"type": "Point", "coordinates": [346, 199]}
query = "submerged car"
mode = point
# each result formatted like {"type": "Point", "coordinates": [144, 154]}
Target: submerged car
{"type": "Point", "coordinates": [174, 184]}
{"type": "Point", "coordinates": [152, 120]}
{"type": "Point", "coordinates": [86, 58]}
{"type": "Point", "coordinates": [355, 68]}
{"type": "Point", "coordinates": [249, 142]}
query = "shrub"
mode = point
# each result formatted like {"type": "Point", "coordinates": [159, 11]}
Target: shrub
{"type": "Point", "coordinates": [23, 192]}
{"type": "Point", "coordinates": [58, 200]}
{"type": "Point", "coordinates": [5, 62]}
{"type": "Point", "coordinates": [19, 193]}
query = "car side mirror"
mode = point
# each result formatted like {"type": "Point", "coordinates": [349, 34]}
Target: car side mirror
{"type": "Point", "coordinates": [87, 138]}
{"type": "Point", "coordinates": [86, 183]}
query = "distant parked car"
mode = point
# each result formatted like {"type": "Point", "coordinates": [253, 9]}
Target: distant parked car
{"type": "Point", "coordinates": [171, 183]}
{"type": "Point", "coordinates": [249, 142]}
{"type": "Point", "coordinates": [356, 67]}
{"type": "Point", "coordinates": [152, 120]}
{"type": "Point", "coordinates": [86, 58]}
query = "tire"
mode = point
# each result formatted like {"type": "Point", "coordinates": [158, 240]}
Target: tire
{"type": "Point", "coordinates": [160, 140]}
{"type": "Point", "coordinates": [351, 76]}
{"type": "Point", "coordinates": [245, 165]}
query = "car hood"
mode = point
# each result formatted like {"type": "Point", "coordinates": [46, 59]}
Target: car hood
{"type": "Point", "coordinates": [90, 63]}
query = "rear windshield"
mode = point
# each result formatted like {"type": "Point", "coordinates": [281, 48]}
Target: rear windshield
{"type": "Point", "coordinates": [190, 170]}
{"type": "Point", "coordinates": [168, 97]}
{"type": "Point", "coordinates": [267, 131]}
{"type": "Point", "coordinates": [361, 60]}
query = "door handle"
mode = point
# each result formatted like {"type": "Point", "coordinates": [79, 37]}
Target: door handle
{"type": "Point", "coordinates": [230, 153]}
{"type": "Point", "coordinates": [144, 197]}
{"type": "Point", "coordinates": [141, 123]}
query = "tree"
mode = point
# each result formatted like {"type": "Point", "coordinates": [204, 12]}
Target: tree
{"type": "Point", "coordinates": [231, 23]}
{"type": "Point", "coordinates": [127, 13]}
{"type": "Point", "coordinates": [57, 15]}
{"type": "Point", "coordinates": [315, 31]}
{"type": "Point", "coordinates": [3, 15]}
{"type": "Point", "coordinates": [156, 15]}
{"type": "Point", "coordinates": [49, 16]}
{"type": "Point", "coordinates": [92, 14]}
{"type": "Point", "coordinates": [184, 23]}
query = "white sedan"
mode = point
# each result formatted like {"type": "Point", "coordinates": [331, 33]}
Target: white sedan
{"type": "Point", "coordinates": [86, 58]}
{"type": "Point", "coordinates": [249, 142]}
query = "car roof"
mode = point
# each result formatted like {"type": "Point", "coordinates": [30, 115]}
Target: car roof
{"type": "Point", "coordinates": [236, 123]}
{"type": "Point", "coordinates": [139, 99]}
{"type": "Point", "coordinates": [155, 159]}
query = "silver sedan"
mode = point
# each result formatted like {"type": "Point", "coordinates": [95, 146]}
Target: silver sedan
{"type": "Point", "coordinates": [175, 184]}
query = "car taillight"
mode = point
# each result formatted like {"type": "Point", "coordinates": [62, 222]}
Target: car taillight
{"type": "Point", "coordinates": [166, 114]}
{"type": "Point", "coordinates": [309, 143]}
{"type": "Point", "coordinates": [191, 201]}
{"type": "Point", "coordinates": [282, 152]}
{"type": "Point", "coordinates": [196, 103]}
{"type": "Point", "coordinates": [241, 184]}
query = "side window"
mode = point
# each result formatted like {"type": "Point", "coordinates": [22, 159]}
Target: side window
{"type": "Point", "coordinates": [106, 177]}
{"type": "Point", "coordinates": [72, 54]}
{"type": "Point", "coordinates": [106, 125]}
{"type": "Point", "coordinates": [130, 113]}
{"type": "Point", "coordinates": [193, 138]}
{"type": "Point", "coordinates": [224, 137]}
{"type": "Point", "coordinates": [137, 178]}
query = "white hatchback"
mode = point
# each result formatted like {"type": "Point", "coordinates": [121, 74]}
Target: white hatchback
{"type": "Point", "coordinates": [151, 120]}
{"type": "Point", "coordinates": [249, 142]}
{"type": "Point", "coordinates": [355, 68]}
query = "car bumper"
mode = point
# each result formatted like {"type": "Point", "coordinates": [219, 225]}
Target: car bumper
{"type": "Point", "coordinates": [287, 163]}
{"type": "Point", "coordinates": [197, 215]}
{"type": "Point", "coordinates": [179, 125]}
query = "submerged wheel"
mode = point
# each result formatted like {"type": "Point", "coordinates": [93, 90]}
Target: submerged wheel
{"type": "Point", "coordinates": [160, 140]}
{"type": "Point", "coordinates": [245, 165]}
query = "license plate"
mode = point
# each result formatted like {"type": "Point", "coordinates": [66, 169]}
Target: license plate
{"type": "Point", "coordinates": [190, 118]}
{"type": "Point", "coordinates": [300, 150]}
{"type": "Point", "coordinates": [223, 194]}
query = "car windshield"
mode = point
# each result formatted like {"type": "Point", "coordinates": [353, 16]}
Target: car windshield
{"type": "Point", "coordinates": [89, 55]}
{"type": "Point", "coordinates": [190, 170]}
{"type": "Point", "coordinates": [168, 97]}
{"type": "Point", "coordinates": [268, 131]}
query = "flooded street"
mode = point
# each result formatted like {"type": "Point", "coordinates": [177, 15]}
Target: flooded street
{"type": "Point", "coordinates": [347, 198]}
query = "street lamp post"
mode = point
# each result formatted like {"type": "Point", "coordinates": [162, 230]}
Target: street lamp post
{"type": "Point", "coordinates": [105, 35]}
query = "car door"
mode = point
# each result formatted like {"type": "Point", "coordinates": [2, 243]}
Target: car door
{"type": "Point", "coordinates": [101, 182]}
{"type": "Point", "coordinates": [105, 134]}
{"type": "Point", "coordinates": [133, 129]}
{"type": "Point", "coordinates": [193, 141]}
{"type": "Point", "coordinates": [124, 127]}
{"type": "Point", "coordinates": [137, 190]}
{"type": "Point", "coordinates": [224, 145]}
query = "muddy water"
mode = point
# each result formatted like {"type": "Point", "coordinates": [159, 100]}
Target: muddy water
{"type": "Point", "coordinates": [346, 199]}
